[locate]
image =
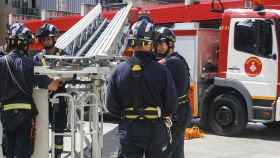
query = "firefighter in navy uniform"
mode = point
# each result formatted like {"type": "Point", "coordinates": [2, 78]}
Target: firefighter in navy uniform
{"type": "Point", "coordinates": [47, 35]}
{"type": "Point", "coordinates": [142, 92]}
{"type": "Point", "coordinates": [17, 81]}
{"type": "Point", "coordinates": [180, 71]}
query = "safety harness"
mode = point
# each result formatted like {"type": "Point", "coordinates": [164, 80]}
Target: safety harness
{"type": "Point", "coordinates": [23, 106]}
{"type": "Point", "coordinates": [138, 110]}
{"type": "Point", "coordinates": [184, 98]}
{"type": "Point", "coordinates": [148, 113]}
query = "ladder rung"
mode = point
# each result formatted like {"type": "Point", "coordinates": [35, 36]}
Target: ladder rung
{"type": "Point", "coordinates": [62, 134]}
{"type": "Point", "coordinates": [75, 31]}
{"type": "Point", "coordinates": [104, 42]}
{"type": "Point", "coordinates": [96, 34]}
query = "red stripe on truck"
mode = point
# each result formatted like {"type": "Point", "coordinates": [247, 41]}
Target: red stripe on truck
{"type": "Point", "coordinates": [185, 32]}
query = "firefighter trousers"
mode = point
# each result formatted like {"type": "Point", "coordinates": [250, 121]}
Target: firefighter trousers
{"type": "Point", "coordinates": [58, 119]}
{"type": "Point", "coordinates": [18, 142]}
{"type": "Point", "coordinates": [143, 137]}
{"type": "Point", "coordinates": [176, 148]}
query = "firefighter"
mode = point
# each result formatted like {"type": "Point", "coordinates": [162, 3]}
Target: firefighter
{"type": "Point", "coordinates": [1, 54]}
{"type": "Point", "coordinates": [142, 92]}
{"type": "Point", "coordinates": [180, 71]}
{"type": "Point", "coordinates": [47, 35]}
{"type": "Point", "coordinates": [128, 52]}
{"type": "Point", "coordinates": [17, 81]}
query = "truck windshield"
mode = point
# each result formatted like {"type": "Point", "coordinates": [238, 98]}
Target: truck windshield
{"type": "Point", "coordinates": [254, 37]}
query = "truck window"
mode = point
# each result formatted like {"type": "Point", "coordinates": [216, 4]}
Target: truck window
{"type": "Point", "coordinates": [254, 37]}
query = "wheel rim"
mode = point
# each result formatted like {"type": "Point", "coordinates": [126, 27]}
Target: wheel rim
{"type": "Point", "coordinates": [224, 116]}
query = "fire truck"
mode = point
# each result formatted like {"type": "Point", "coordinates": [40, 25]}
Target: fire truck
{"type": "Point", "coordinates": [232, 48]}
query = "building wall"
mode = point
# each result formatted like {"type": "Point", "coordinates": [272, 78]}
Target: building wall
{"type": "Point", "coordinates": [65, 5]}
{"type": "Point", "coordinates": [75, 5]}
{"type": "Point", "coordinates": [48, 4]}
{"type": "Point", "coordinates": [3, 21]}
{"type": "Point", "coordinates": [149, 2]}
{"type": "Point", "coordinates": [143, 2]}
{"type": "Point", "coordinates": [19, 10]}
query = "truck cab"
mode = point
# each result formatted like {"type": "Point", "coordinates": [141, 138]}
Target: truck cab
{"type": "Point", "coordinates": [245, 88]}
{"type": "Point", "coordinates": [234, 69]}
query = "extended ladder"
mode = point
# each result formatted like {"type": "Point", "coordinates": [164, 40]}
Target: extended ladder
{"type": "Point", "coordinates": [73, 40]}
{"type": "Point", "coordinates": [113, 40]}
{"type": "Point", "coordinates": [106, 42]}
{"type": "Point", "coordinates": [92, 46]}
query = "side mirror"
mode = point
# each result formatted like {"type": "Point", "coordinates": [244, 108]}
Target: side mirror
{"type": "Point", "coordinates": [274, 56]}
{"type": "Point", "coordinates": [269, 21]}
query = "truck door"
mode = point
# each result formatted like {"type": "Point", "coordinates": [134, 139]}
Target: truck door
{"type": "Point", "coordinates": [252, 56]}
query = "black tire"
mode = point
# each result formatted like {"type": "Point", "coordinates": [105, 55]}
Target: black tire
{"type": "Point", "coordinates": [227, 115]}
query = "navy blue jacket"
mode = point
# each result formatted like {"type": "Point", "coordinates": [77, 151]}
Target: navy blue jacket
{"type": "Point", "coordinates": [23, 69]}
{"type": "Point", "coordinates": [158, 78]}
{"type": "Point", "coordinates": [180, 73]}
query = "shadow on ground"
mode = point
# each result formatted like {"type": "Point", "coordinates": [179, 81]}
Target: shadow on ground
{"type": "Point", "coordinates": [259, 131]}
{"type": "Point", "coordinates": [111, 144]}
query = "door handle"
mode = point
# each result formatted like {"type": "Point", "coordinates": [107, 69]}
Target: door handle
{"type": "Point", "coordinates": [234, 68]}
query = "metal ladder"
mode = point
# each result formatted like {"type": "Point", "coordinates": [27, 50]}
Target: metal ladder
{"type": "Point", "coordinates": [74, 39]}
{"type": "Point", "coordinates": [113, 40]}
{"type": "Point", "coordinates": [79, 97]}
{"type": "Point", "coordinates": [106, 40]}
{"type": "Point", "coordinates": [92, 44]}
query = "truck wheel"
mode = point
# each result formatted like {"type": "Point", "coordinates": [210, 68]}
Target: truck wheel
{"type": "Point", "coordinates": [227, 115]}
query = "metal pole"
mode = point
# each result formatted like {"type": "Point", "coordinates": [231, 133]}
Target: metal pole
{"type": "Point", "coordinates": [82, 135]}
{"type": "Point", "coordinates": [73, 120]}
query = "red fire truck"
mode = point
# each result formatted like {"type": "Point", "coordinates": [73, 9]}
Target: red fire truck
{"type": "Point", "coordinates": [233, 54]}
